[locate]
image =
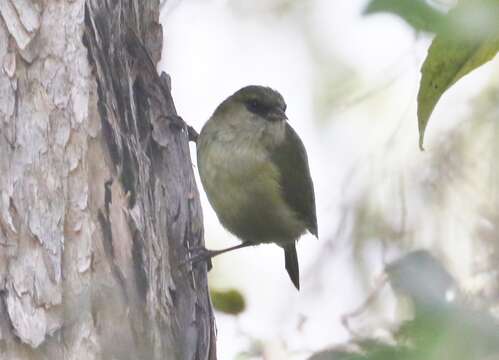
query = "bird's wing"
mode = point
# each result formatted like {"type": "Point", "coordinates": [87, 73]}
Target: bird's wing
{"type": "Point", "coordinates": [291, 161]}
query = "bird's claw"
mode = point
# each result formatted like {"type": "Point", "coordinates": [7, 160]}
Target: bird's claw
{"type": "Point", "coordinates": [199, 254]}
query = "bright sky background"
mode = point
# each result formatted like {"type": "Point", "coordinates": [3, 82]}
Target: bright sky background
{"type": "Point", "coordinates": [370, 67]}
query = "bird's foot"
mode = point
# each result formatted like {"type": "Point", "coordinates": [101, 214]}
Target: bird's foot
{"type": "Point", "coordinates": [199, 254]}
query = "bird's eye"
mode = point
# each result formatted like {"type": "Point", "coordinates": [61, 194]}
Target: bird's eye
{"type": "Point", "coordinates": [253, 105]}
{"type": "Point", "coordinates": [256, 107]}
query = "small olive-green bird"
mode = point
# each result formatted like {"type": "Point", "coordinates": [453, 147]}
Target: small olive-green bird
{"type": "Point", "coordinates": [255, 172]}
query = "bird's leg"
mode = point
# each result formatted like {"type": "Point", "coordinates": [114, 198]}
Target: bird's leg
{"type": "Point", "coordinates": [203, 254]}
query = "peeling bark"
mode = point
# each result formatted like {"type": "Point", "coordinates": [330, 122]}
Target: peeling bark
{"type": "Point", "coordinates": [98, 203]}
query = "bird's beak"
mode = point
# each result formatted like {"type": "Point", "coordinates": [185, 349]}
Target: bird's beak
{"type": "Point", "coordinates": [277, 115]}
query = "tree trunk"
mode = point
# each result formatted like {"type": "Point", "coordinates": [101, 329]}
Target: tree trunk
{"type": "Point", "coordinates": [98, 203]}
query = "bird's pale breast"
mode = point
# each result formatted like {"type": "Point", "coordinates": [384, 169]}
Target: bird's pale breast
{"type": "Point", "coordinates": [243, 186]}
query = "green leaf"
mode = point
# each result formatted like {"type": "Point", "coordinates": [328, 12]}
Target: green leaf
{"type": "Point", "coordinates": [228, 301]}
{"type": "Point", "coordinates": [469, 39]}
{"type": "Point", "coordinates": [417, 13]}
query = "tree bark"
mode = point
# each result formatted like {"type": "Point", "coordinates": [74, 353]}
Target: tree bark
{"type": "Point", "coordinates": [98, 203]}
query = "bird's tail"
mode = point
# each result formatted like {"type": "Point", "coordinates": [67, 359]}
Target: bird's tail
{"type": "Point", "coordinates": [291, 262]}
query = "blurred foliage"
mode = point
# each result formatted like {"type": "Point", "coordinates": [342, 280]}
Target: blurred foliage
{"type": "Point", "coordinates": [440, 329]}
{"type": "Point", "coordinates": [448, 202]}
{"type": "Point", "coordinates": [417, 13]}
{"type": "Point", "coordinates": [260, 7]}
{"type": "Point", "coordinates": [422, 278]}
{"type": "Point", "coordinates": [336, 355]}
{"type": "Point", "coordinates": [334, 85]}
{"type": "Point", "coordinates": [228, 301]}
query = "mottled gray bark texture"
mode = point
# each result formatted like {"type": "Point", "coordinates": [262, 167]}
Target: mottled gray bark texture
{"type": "Point", "coordinates": [98, 204]}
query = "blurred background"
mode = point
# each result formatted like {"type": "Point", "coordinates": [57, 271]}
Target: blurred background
{"type": "Point", "coordinates": [350, 81]}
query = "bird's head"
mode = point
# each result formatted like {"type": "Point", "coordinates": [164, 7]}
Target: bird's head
{"type": "Point", "coordinates": [262, 101]}
{"type": "Point", "coordinates": [258, 102]}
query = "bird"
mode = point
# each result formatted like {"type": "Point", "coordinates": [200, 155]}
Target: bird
{"type": "Point", "coordinates": [254, 169]}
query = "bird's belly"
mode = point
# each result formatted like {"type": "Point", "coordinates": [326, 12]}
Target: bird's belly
{"type": "Point", "coordinates": [246, 195]}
